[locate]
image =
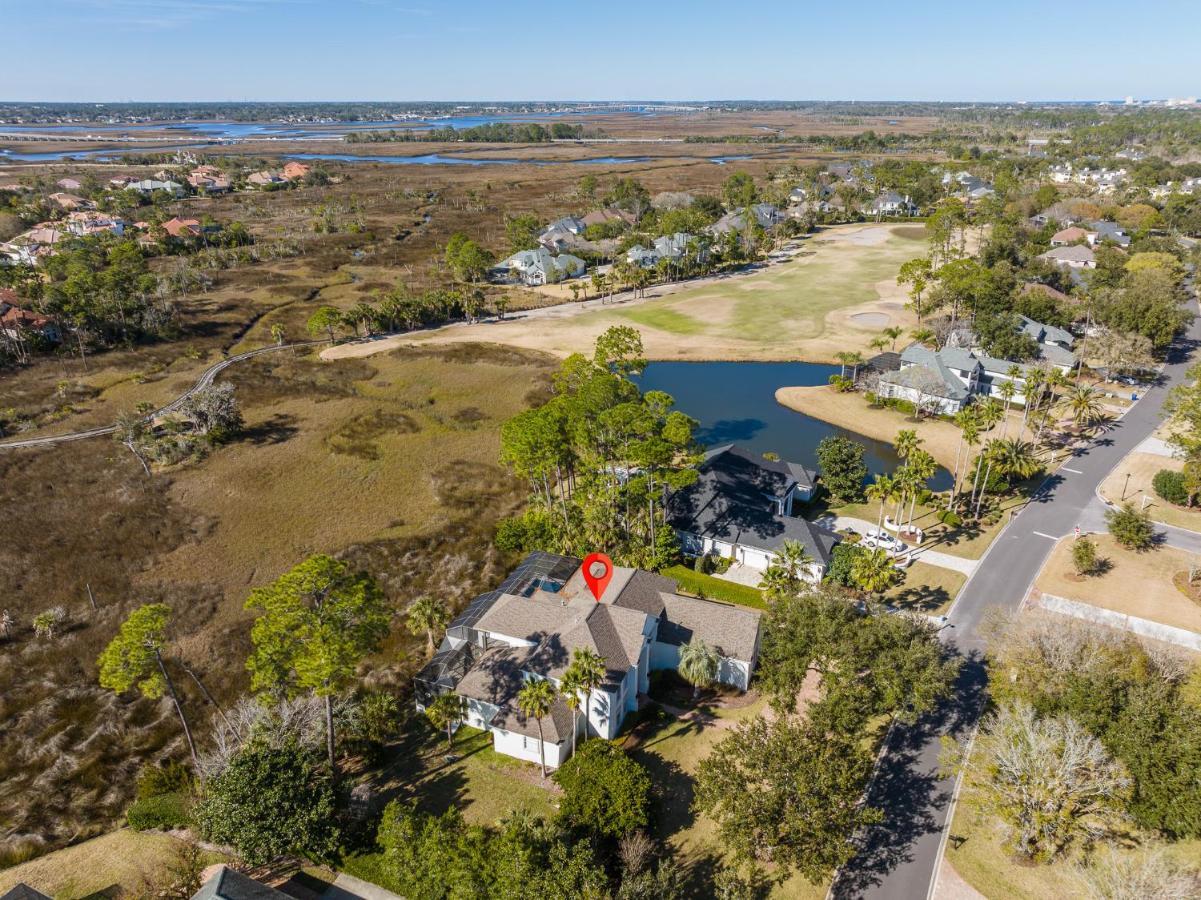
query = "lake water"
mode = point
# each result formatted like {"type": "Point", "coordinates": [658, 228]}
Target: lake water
{"type": "Point", "coordinates": [735, 403]}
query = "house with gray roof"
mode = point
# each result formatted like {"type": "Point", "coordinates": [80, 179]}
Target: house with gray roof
{"type": "Point", "coordinates": [534, 267]}
{"type": "Point", "coordinates": [945, 381]}
{"type": "Point", "coordinates": [227, 884]}
{"type": "Point", "coordinates": [890, 203]}
{"type": "Point", "coordinates": [1108, 231]}
{"type": "Point", "coordinates": [1076, 256]}
{"type": "Point", "coordinates": [671, 247]}
{"type": "Point", "coordinates": [765, 216]}
{"type": "Point", "coordinates": [22, 891]}
{"type": "Point", "coordinates": [741, 508]}
{"type": "Point", "coordinates": [1054, 344]}
{"type": "Point", "coordinates": [529, 627]}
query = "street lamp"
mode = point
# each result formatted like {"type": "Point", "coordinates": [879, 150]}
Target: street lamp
{"type": "Point", "coordinates": [1125, 487]}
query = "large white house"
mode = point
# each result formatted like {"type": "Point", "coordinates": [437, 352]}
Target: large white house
{"type": "Point", "coordinates": [530, 625]}
{"type": "Point", "coordinates": [534, 267]}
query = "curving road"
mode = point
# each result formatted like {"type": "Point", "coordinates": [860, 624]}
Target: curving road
{"type": "Point", "coordinates": [899, 859]}
{"type": "Point", "coordinates": [205, 380]}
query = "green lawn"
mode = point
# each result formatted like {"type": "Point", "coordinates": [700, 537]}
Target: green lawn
{"type": "Point", "coordinates": [664, 319]}
{"type": "Point", "coordinates": [926, 588]}
{"type": "Point", "coordinates": [701, 585]}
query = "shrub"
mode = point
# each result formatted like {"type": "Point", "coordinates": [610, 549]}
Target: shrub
{"type": "Point", "coordinates": [1084, 556]}
{"type": "Point", "coordinates": [842, 559]}
{"type": "Point", "coordinates": [605, 791]}
{"type": "Point", "coordinates": [170, 778]}
{"type": "Point", "coordinates": [1170, 486]}
{"type": "Point", "coordinates": [1131, 527]}
{"type": "Point", "coordinates": [161, 812]}
{"type": "Point", "coordinates": [950, 518]}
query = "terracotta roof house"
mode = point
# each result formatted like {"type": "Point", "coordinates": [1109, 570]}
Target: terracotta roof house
{"type": "Point", "coordinates": [84, 222]}
{"type": "Point", "coordinates": [182, 228]}
{"type": "Point", "coordinates": [227, 884]}
{"type": "Point", "coordinates": [529, 626]}
{"type": "Point", "coordinates": [17, 322]}
{"type": "Point", "coordinates": [295, 170]}
{"type": "Point", "coordinates": [1074, 257]}
{"type": "Point", "coordinates": [1072, 235]}
{"type": "Point", "coordinates": [741, 508]}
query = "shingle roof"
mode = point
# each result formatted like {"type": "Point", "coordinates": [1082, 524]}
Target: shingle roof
{"type": "Point", "coordinates": [733, 630]}
{"type": "Point", "coordinates": [22, 891]}
{"type": "Point", "coordinates": [1075, 253]}
{"type": "Point", "coordinates": [227, 884]}
{"type": "Point", "coordinates": [727, 503]}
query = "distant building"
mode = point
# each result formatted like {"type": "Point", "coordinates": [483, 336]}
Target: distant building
{"type": "Point", "coordinates": [150, 185]}
{"type": "Point", "coordinates": [891, 204]}
{"type": "Point", "coordinates": [1075, 257]}
{"type": "Point", "coordinates": [70, 201]}
{"type": "Point", "coordinates": [536, 267]}
{"type": "Point", "coordinates": [294, 171]}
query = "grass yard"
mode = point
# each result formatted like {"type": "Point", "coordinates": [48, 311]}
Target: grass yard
{"type": "Point", "coordinates": [1142, 467]}
{"type": "Point", "coordinates": [122, 862]}
{"type": "Point", "coordinates": [975, 852]}
{"type": "Point", "coordinates": [926, 589]}
{"type": "Point", "coordinates": [1136, 584]}
{"type": "Point", "coordinates": [835, 295]}
{"type": "Point", "coordinates": [671, 750]}
{"type": "Point", "coordinates": [698, 584]}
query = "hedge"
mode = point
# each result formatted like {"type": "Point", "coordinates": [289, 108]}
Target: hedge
{"type": "Point", "coordinates": [691, 582]}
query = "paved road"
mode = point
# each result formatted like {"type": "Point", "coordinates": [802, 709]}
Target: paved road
{"type": "Point", "coordinates": [900, 857]}
{"type": "Point", "coordinates": [205, 380]}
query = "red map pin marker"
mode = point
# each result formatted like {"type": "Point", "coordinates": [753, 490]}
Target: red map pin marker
{"type": "Point", "coordinates": [598, 572]}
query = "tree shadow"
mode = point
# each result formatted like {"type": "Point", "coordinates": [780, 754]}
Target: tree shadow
{"type": "Point", "coordinates": [920, 598]}
{"type": "Point", "coordinates": [279, 428]}
{"type": "Point", "coordinates": [910, 789]}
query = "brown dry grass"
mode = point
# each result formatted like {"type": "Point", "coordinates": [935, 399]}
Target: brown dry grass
{"type": "Point", "coordinates": [1142, 468]}
{"type": "Point", "coordinates": [1137, 584]}
{"type": "Point", "coordinates": [392, 465]}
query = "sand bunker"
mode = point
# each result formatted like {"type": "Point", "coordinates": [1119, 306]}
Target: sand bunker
{"type": "Point", "coordinates": [870, 319]}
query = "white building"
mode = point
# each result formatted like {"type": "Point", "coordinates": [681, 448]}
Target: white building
{"type": "Point", "coordinates": [529, 627]}
{"type": "Point", "coordinates": [534, 267]}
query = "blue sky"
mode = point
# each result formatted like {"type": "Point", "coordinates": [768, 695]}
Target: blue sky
{"type": "Point", "coordinates": [651, 49]}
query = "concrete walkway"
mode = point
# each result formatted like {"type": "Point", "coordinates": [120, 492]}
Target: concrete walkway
{"type": "Point", "coordinates": [919, 554]}
{"type": "Point", "coordinates": [1156, 446]}
{"type": "Point", "coordinates": [347, 887]}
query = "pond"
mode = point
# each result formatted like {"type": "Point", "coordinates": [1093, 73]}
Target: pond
{"type": "Point", "coordinates": [735, 403]}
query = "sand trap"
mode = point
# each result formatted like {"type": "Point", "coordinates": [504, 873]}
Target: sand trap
{"type": "Point", "coordinates": [871, 319]}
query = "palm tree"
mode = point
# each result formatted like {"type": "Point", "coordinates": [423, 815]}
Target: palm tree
{"type": "Point", "coordinates": [445, 712]}
{"type": "Point", "coordinates": [892, 333]}
{"type": "Point", "coordinates": [873, 571]}
{"type": "Point", "coordinates": [1032, 390]}
{"type": "Point", "coordinates": [922, 468]}
{"type": "Point", "coordinates": [909, 483]}
{"type": "Point", "coordinates": [569, 690]}
{"type": "Point", "coordinates": [587, 670]}
{"type": "Point", "coordinates": [1011, 457]}
{"type": "Point", "coordinates": [884, 489]}
{"type": "Point", "coordinates": [277, 334]}
{"type": "Point", "coordinates": [969, 435]}
{"type": "Point", "coordinates": [878, 343]}
{"type": "Point", "coordinates": [922, 335]}
{"type": "Point", "coordinates": [427, 614]}
{"type": "Point", "coordinates": [1084, 405]}
{"type": "Point", "coordinates": [906, 442]}
{"type": "Point", "coordinates": [783, 577]}
{"type": "Point", "coordinates": [698, 665]}
{"type": "Point", "coordinates": [535, 699]}
{"type": "Point", "coordinates": [989, 412]}
{"type": "Point", "coordinates": [1007, 390]}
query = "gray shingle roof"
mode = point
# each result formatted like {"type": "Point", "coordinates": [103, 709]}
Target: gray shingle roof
{"type": "Point", "coordinates": [733, 630]}
{"type": "Point", "coordinates": [22, 891]}
{"type": "Point", "coordinates": [1074, 253]}
{"type": "Point", "coordinates": [727, 503]}
{"type": "Point", "coordinates": [227, 884]}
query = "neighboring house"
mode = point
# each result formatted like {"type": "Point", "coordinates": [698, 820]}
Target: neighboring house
{"type": "Point", "coordinates": [1060, 213]}
{"type": "Point", "coordinates": [1033, 287]}
{"type": "Point", "coordinates": [150, 185]}
{"type": "Point", "coordinates": [226, 884]}
{"type": "Point", "coordinates": [765, 215]}
{"type": "Point", "coordinates": [529, 626]}
{"type": "Point", "coordinates": [557, 239]}
{"type": "Point", "coordinates": [84, 222]}
{"type": "Point", "coordinates": [210, 180]}
{"type": "Point", "coordinates": [1110, 232]}
{"type": "Point", "coordinates": [945, 381]}
{"type": "Point", "coordinates": [890, 203]}
{"type": "Point", "coordinates": [1074, 257]}
{"type": "Point", "coordinates": [294, 171]}
{"type": "Point", "coordinates": [968, 186]}
{"type": "Point", "coordinates": [1073, 235]}
{"type": "Point", "coordinates": [185, 229]}
{"type": "Point", "coordinates": [266, 179]}
{"type": "Point", "coordinates": [69, 184]}
{"type": "Point", "coordinates": [70, 201]}
{"type": "Point", "coordinates": [17, 322]}
{"type": "Point", "coordinates": [33, 245]}
{"type": "Point", "coordinates": [741, 506]}
{"type": "Point", "coordinates": [672, 247]}
{"type": "Point", "coordinates": [1054, 344]}
{"type": "Point", "coordinates": [534, 267]}
{"type": "Point", "coordinates": [121, 182]}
